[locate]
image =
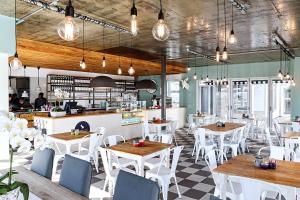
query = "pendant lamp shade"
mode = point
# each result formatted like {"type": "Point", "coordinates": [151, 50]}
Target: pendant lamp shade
{"type": "Point", "coordinates": [145, 85]}
{"type": "Point", "coordinates": [25, 94]}
{"type": "Point", "coordinates": [102, 82]}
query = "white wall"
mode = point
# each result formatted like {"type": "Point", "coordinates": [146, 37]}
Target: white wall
{"type": "Point", "coordinates": [4, 82]}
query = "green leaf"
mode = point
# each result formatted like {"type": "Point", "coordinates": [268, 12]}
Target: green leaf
{"type": "Point", "coordinates": [5, 176]}
{"type": "Point", "coordinates": [4, 189]}
{"type": "Point", "coordinates": [24, 189]}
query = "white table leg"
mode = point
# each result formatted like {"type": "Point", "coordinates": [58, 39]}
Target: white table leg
{"type": "Point", "coordinates": [223, 185]}
{"type": "Point", "coordinates": [140, 162]}
{"type": "Point", "coordinates": [68, 148]}
{"type": "Point", "coordinates": [221, 148]}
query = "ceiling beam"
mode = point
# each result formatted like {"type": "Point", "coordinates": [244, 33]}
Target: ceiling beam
{"type": "Point", "coordinates": [46, 55]}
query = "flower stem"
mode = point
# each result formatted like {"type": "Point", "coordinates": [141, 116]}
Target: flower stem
{"type": "Point", "coordinates": [10, 164]}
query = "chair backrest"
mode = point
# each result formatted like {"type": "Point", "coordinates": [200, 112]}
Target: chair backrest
{"type": "Point", "coordinates": [296, 126]}
{"type": "Point", "coordinates": [200, 136]}
{"type": "Point", "coordinates": [176, 154]}
{"type": "Point", "coordinates": [211, 160]}
{"type": "Point", "coordinates": [146, 128]}
{"type": "Point", "coordinates": [213, 198]}
{"type": "Point", "coordinates": [166, 138]}
{"type": "Point", "coordinates": [76, 175]}
{"type": "Point", "coordinates": [106, 165]}
{"type": "Point", "coordinates": [133, 187]}
{"type": "Point", "coordinates": [268, 136]}
{"type": "Point", "coordinates": [95, 141]}
{"type": "Point", "coordinates": [190, 119]}
{"type": "Point", "coordinates": [42, 162]}
{"type": "Point", "coordinates": [113, 140]}
{"type": "Point", "coordinates": [173, 126]}
{"type": "Point", "coordinates": [240, 134]}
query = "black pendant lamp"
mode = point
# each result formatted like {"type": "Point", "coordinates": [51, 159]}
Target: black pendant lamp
{"type": "Point", "coordinates": [25, 93]}
{"type": "Point", "coordinates": [218, 38]}
{"type": "Point", "coordinates": [10, 89]}
{"type": "Point", "coordinates": [145, 85]}
{"type": "Point", "coordinates": [280, 75]}
{"type": "Point", "coordinates": [195, 74]}
{"type": "Point", "coordinates": [38, 88]}
{"type": "Point", "coordinates": [103, 43]}
{"type": "Point", "coordinates": [68, 29]}
{"type": "Point", "coordinates": [187, 62]}
{"type": "Point", "coordinates": [82, 62]}
{"type": "Point", "coordinates": [102, 82]}
{"type": "Point", "coordinates": [15, 63]}
{"type": "Point", "coordinates": [225, 54]}
{"type": "Point", "coordinates": [133, 21]}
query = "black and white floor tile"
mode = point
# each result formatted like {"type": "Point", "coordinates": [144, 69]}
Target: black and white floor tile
{"type": "Point", "coordinates": [194, 179]}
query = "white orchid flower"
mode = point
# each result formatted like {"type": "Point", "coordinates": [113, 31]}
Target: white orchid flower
{"type": "Point", "coordinates": [24, 147]}
{"type": "Point", "coordinates": [41, 143]}
{"type": "Point", "coordinates": [20, 124]}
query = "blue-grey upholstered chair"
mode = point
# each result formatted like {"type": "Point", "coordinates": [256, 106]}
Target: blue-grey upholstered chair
{"type": "Point", "coordinates": [213, 198]}
{"type": "Point", "coordinates": [133, 187]}
{"type": "Point", "coordinates": [42, 162]}
{"type": "Point", "coordinates": [76, 175]}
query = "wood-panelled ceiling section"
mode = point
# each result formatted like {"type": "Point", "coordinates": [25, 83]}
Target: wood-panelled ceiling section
{"type": "Point", "coordinates": [192, 24]}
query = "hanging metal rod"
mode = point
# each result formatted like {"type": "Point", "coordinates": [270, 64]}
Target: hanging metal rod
{"type": "Point", "coordinates": [279, 41]}
{"type": "Point", "coordinates": [61, 10]}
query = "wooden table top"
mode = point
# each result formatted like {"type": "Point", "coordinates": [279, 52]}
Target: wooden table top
{"type": "Point", "coordinates": [159, 122]}
{"type": "Point", "coordinates": [228, 127]}
{"type": "Point", "coordinates": [149, 148]}
{"type": "Point", "coordinates": [285, 122]}
{"type": "Point", "coordinates": [291, 134]}
{"type": "Point", "coordinates": [287, 173]}
{"type": "Point", "coordinates": [43, 187]}
{"type": "Point", "coordinates": [67, 136]}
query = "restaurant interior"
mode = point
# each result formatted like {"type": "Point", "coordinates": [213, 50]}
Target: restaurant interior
{"type": "Point", "coordinates": [149, 99]}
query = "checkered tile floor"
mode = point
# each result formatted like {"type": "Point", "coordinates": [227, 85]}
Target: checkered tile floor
{"type": "Point", "coordinates": [194, 179]}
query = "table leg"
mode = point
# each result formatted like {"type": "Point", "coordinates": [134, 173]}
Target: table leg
{"type": "Point", "coordinates": [68, 148]}
{"type": "Point", "coordinates": [140, 162]}
{"type": "Point", "coordinates": [221, 148]}
{"type": "Point", "coordinates": [223, 185]}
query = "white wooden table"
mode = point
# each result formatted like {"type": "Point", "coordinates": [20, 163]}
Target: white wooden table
{"type": "Point", "coordinates": [221, 132]}
{"type": "Point", "coordinates": [42, 188]}
{"type": "Point", "coordinates": [159, 124]}
{"type": "Point", "coordinates": [68, 140]}
{"type": "Point", "coordinates": [140, 154]}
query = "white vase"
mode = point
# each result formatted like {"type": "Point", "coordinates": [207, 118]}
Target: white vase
{"type": "Point", "coordinates": [58, 114]}
{"type": "Point", "coordinates": [4, 146]}
{"type": "Point", "coordinates": [12, 195]}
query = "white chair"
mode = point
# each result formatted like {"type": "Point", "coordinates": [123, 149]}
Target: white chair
{"type": "Point", "coordinates": [111, 174]}
{"type": "Point", "coordinates": [278, 153]}
{"type": "Point", "coordinates": [244, 145]}
{"type": "Point", "coordinates": [151, 135]}
{"type": "Point", "coordinates": [233, 189]}
{"type": "Point", "coordinates": [201, 144]}
{"type": "Point", "coordinates": [235, 142]}
{"type": "Point", "coordinates": [91, 153]}
{"type": "Point", "coordinates": [192, 128]}
{"type": "Point", "coordinates": [296, 126]}
{"type": "Point", "coordinates": [164, 174]}
{"type": "Point", "coordinates": [155, 162]}
{"type": "Point", "coordinates": [171, 131]}
{"type": "Point", "coordinates": [119, 162]}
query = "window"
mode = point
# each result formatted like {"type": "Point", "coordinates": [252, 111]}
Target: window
{"type": "Point", "coordinates": [173, 88]}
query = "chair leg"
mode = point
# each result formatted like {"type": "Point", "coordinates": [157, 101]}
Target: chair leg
{"type": "Point", "coordinates": [105, 184]}
{"type": "Point", "coordinates": [179, 195]}
{"type": "Point", "coordinates": [197, 153]}
{"type": "Point", "coordinates": [165, 188]}
{"type": "Point", "coordinates": [194, 150]}
{"type": "Point", "coordinates": [175, 139]}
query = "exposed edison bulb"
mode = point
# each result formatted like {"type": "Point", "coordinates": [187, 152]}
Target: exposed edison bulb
{"type": "Point", "coordinates": [160, 30]}
{"type": "Point", "coordinates": [207, 79]}
{"type": "Point", "coordinates": [15, 63]}
{"type": "Point", "coordinates": [119, 70]}
{"type": "Point", "coordinates": [218, 54]}
{"type": "Point", "coordinates": [103, 62]}
{"type": "Point", "coordinates": [68, 29]}
{"type": "Point", "coordinates": [225, 54]}
{"type": "Point", "coordinates": [82, 64]}
{"type": "Point", "coordinates": [287, 76]}
{"type": "Point", "coordinates": [134, 25]}
{"type": "Point", "coordinates": [280, 75]}
{"type": "Point", "coordinates": [131, 70]}
{"type": "Point", "coordinates": [195, 76]}
{"type": "Point", "coordinates": [232, 38]}
{"type": "Point", "coordinates": [188, 69]}
{"type": "Point", "coordinates": [293, 83]}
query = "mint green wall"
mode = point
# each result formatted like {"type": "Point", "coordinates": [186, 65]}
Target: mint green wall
{"type": "Point", "coordinates": [296, 89]}
{"type": "Point", "coordinates": [146, 96]}
{"type": "Point", "coordinates": [7, 37]}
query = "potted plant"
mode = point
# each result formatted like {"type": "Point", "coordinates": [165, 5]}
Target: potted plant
{"type": "Point", "coordinates": [57, 111]}
{"type": "Point", "coordinates": [19, 142]}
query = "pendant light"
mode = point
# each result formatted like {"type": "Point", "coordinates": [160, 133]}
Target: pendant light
{"type": "Point", "coordinates": [131, 70]}
{"type": "Point", "coordinates": [187, 62]}
{"type": "Point", "coordinates": [280, 75]}
{"type": "Point", "coordinates": [288, 77]}
{"type": "Point", "coordinates": [68, 29]}
{"type": "Point", "coordinates": [25, 93]}
{"type": "Point", "coordinates": [225, 54]}
{"type": "Point", "coordinates": [217, 74]}
{"type": "Point", "coordinates": [207, 78]}
{"type": "Point", "coordinates": [232, 37]}
{"type": "Point", "coordinates": [10, 89]}
{"type": "Point", "coordinates": [119, 69]}
{"type": "Point", "coordinates": [218, 42]}
{"type": "Point", "coordinates": [195, 74]}
{"type": "Point", "coordinates": [15, 63]}
{"type": "Point", "coordinates": [103, 43]}
{"type": "Point", "coordinates": [160, 30]}
{"type": "Point", "coordinates": [38, 88]}
{"type": "Point", "coordinates": [82, 62]}
{"type": "Point", "coordinates": [133, 13]}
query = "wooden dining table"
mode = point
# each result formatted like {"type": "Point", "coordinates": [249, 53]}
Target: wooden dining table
{"type": "Point", "coordinates": [140, 154]}
{"type": "Point", "coordinates": [287, 174]}
{"type": "Point", "coordinates": [221, 132]}
{"type": "Point", "coordinates": [68, 139]}
{"type": "Point", "coordinates": [42, 188]}
{"type": "Point", "coordinates": [290, 138]}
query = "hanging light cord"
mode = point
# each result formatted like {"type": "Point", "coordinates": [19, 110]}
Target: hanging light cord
{"type": "Point", "coordinates": [119, 51]}
{"type": "Point", "coordinates": [225, 23]}
{"type": "Point", "coordinates": [83, 39]}
{"type": "Point", "coordinates": [218, 21]}
{"type": "Point", "coordinates": [38, 76]}
{"type": "Point", "coordinates": [195, 63]}
{"type": "Point", "coordinates": [131, 49]}
{"type": "Point", "coordinates": [232, 17]}
{"type": "Point", "coordinates": [16, 23]}
{"type": "Point", "coordinates": [280, 59]}
{"type": "Point", "coordinates": [160, 5]}
{"type": "Point", "coordinates": [103, 43]}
